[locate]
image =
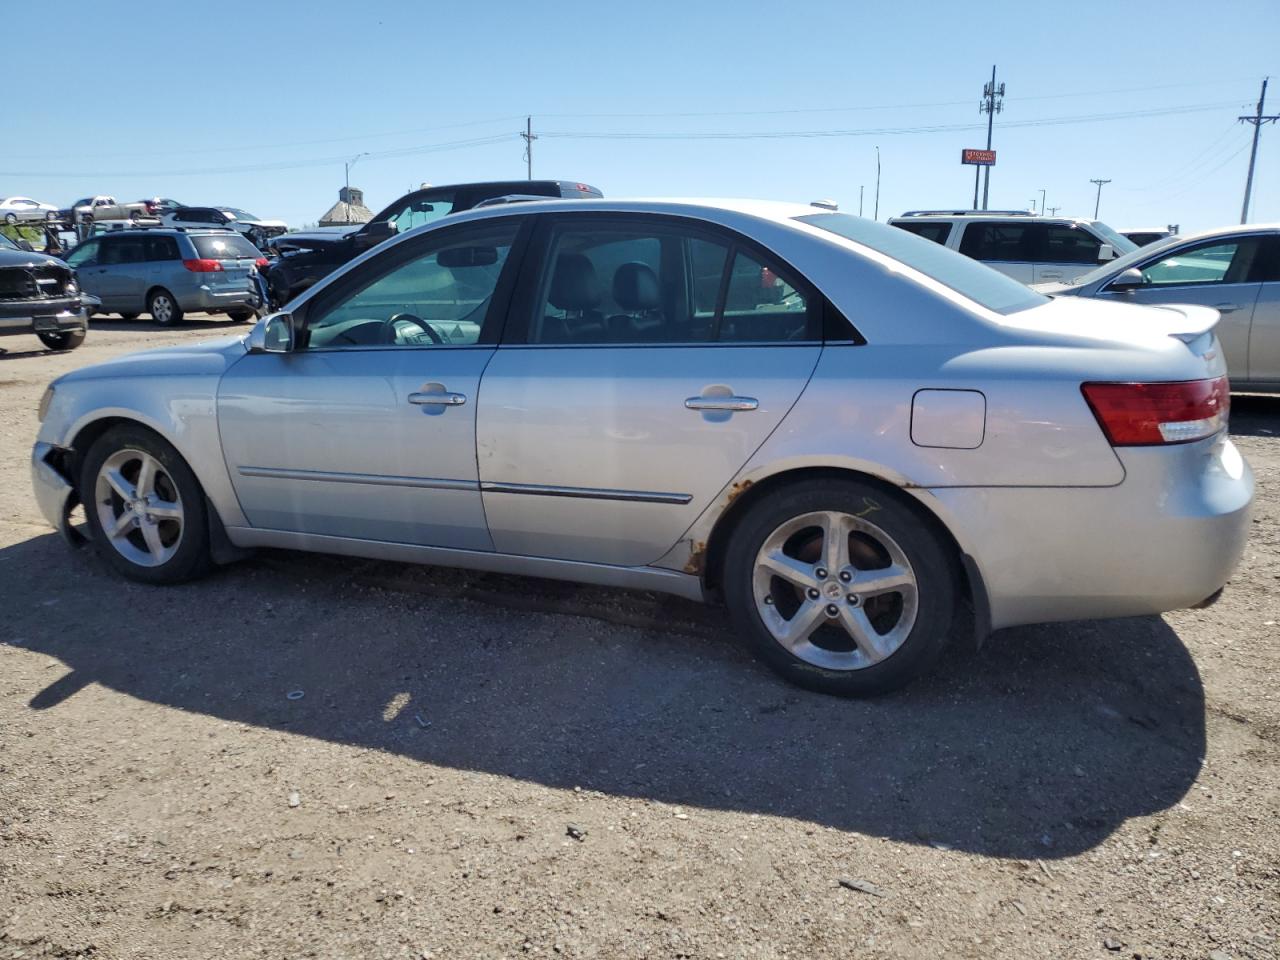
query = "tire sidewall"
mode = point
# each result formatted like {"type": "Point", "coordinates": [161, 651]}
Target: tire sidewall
{"type": "Point", "coordinates": [66, 340]}
{"type": "Point", "coordinates": [175, 312]}
{"type": "Point", "coordinates": [936, 583]}
{"type": "Point", "coordinates": [192, 556]}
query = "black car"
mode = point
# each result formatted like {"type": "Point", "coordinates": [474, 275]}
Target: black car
{"type": "Point", "coordinates": [39, 294]}
{"type": "Point", "coordinates": [300, 259]}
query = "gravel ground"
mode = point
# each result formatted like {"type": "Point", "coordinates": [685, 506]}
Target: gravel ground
{"type": "Point", "coordinates": [309, 757]}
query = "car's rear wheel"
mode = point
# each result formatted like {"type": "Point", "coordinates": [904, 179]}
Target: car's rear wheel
{"type": "Point", "coordinates": [129, 316]}
{"type": "Point", "coordinates": [11, 218]}
{"type": "Point", "coordinates": [145, 507]}
{"type": "Point", "coordinates": [62, 340]}
{"type": "Point", "coordinates": [163, 307]}
{"type": "Point", "coordinates": [241, 316]}
{"type": "Point", "coordinates": [840, 586]}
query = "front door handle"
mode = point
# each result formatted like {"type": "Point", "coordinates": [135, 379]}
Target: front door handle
{"type": "Point", "coordinates": [733, 404]}
{"type": "Point", "coordinates": [444, 399]}
{"type": "Point", "coordinates": [1226, 307]}
{"type": "Point", "coordinates": [1051, 275]}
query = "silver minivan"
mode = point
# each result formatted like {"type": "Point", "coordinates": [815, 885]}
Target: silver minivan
{"type": "Point", "coordinates": [1022, 245]}
{"type": "Point", "coordinates": [168, 273]}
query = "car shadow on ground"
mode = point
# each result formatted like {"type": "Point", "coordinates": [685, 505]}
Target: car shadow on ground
{"type": "Point", "coordinates": [216, 323]}
{"type": "Point", "coordinates": [1040, 745]}
{"type": "Point", "coordinates": [1255, 415]}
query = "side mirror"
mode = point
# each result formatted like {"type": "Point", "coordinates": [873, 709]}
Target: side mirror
{"type": "Point", "coordinates": [1106, 252]}
{"type": "Point", "coordinates": [376, 231]}
{"type": "Point", "coordinates": [272, 334]}
{"type": "Point", "coordinates": [1127, 281]}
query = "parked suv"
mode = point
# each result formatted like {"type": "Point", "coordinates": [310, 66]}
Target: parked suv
{"type": "Point", "coordinates": [167, 273]}
{"type": "Point", "coordinates": [1019, 244]}
{"type": "Point", "coordinates": [39, 294]}
{"type": "Point", "coordinates": [303, 258]}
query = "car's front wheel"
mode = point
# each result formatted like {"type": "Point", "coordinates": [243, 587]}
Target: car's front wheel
{"type": "Point", "coordinates": [11, 218]}
{"type": "Point", "coordinates": [163, 307]}
{"type": "Point", "coordinates": [145, 508]}
{"type": "Point", "coordinates": [840, 586]}
{"type": "Point", "coordinates": [63, 340]}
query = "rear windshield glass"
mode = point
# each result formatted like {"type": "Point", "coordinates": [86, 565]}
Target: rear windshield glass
{"type": "Point", "coordinates": [225, 246]}
{"type": "Point", "coordinates": [969, 278]}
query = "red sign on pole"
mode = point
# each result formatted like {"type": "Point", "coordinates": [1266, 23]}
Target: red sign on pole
{"type": "Point", "coordinates": [982, 158]}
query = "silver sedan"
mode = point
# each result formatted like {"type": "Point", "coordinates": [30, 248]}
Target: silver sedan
{"type": "Point", "coordinates": [1235, 270]}
{"type": "Point", "coordinates": [848, 433]}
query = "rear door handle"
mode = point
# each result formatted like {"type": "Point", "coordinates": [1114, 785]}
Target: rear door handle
{"type": "Point", "coordinates": [735, 404]}
{"type": "Point", "coordinates": [445, 399]}
{"type": "Point", "coordinates": [1051, 275]}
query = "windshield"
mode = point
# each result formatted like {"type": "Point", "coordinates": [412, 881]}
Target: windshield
{"type": "Point", "coordinates": [6, 243]}
{"type": "Point", "coordinates": [238, 214]}
{"type": "Point", "coordinates": [967, 277]}
{"type": "Point", "coordinates": [1119, 241]}
{"type": "Point", "coordinates": [1124, 263]}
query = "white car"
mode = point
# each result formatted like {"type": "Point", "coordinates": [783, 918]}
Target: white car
{"type": "Point", "coordinates": [15, 209]}
{"type": "Point", "coordinates": [1019, 244]}
{"type": "Point", "coordinates": [258, 231]}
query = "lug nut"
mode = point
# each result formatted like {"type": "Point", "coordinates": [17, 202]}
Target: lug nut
{"type": "Point", "coordinates": [833, 610]}
{"type": "Point", "coordinates": [854, 600]}
{"type": "Point", "coordinates": [813, 594]}
{"type": "Point", "coordinates": [822, 574]}
{"type": "Point", "coordinates": [846, 576]}
{"type": "Point", "coordinates": [768, 601]}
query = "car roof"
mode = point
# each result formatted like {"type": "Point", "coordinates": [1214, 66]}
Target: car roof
{"type": "Point", "coordinates": [1232, 231]}
{"type": "Point", "coordinates": [777, 210]}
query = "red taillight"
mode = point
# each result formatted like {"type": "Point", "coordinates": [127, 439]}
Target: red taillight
{"type": "Point", "coordinates": [260, 263]}
{"type": "Point", "coordinates": [1144, 414]}
{"type": "Point", "coordinates": [203, 266]}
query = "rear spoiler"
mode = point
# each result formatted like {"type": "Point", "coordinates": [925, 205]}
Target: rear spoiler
{"type": "Point", "coordinates": [1196, 322]}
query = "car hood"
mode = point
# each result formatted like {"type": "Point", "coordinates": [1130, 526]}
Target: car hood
{"type": "Point", "coordinates": [207, 358]}
{"type": "Point", "coordinates": [25, 258]}
{"type": "Point", "coordinates": [270, 224]}
{"type": "Point", "coordinates": [315, 239]}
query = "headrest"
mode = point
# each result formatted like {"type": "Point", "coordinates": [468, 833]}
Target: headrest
{"type": "Point", "coordinates": [574, 285]}
{"type": "Point", "coordinates": [635, 287]}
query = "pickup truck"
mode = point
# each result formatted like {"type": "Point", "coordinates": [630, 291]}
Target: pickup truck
{"type": "Point", "coordinates": [89, 209]}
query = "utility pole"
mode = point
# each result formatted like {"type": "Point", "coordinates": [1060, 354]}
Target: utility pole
{"type": "Point", "coordinates": [1053, 211]}
{"type": "Point", "coordinates": [1257, 120]}
{"type": "Point", "coordinates": [992, 103]}
{"type": "Point", "coordinates": [1042, 193]}
{"type": "Point", "coordinates": [528, 138]}
{"type": "Point", "coordinates": [877, 213]}
{"type": "Point", "coordinates": [861, 187]}
{"type": "Point", "coordinates": [1098, 202]}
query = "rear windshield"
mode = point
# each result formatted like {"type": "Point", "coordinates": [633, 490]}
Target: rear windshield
{"type": "Point", "coordinates": [225, 246]}
{"type": "Point", "coordinates": [967, 277]}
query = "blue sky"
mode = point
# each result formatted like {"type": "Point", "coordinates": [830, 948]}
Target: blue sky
{"type": "Point", "coordinates": [257, 104]}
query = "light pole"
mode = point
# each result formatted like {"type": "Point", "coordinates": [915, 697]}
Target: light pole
{"type": "Point", "coordinates": [346, 170]}
{"type": "Point", "coordinates": [1042, 207]}
{"type": "Point", "coordinates": [861, 187]}
{"type": "Point", "coordinates": [877, 213]}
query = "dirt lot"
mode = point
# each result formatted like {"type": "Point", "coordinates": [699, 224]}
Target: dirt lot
{"type": "Point", "coordinates": [308, 757]}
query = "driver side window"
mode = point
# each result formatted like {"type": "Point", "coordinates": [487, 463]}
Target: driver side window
{"type": "Point", "coordinates": [83, 254]}
{"type": "Point", "coordinates": [440, 296]}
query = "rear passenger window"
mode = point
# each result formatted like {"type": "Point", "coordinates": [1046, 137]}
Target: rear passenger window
{"type": "Point", "coordinates": [997, 241]}
{"type": "Point", "coordinates": [121, 250]}
{"type": "Point", "coordinates": [937, 232]}
{"type": "Point", "coordinates": [614, 283]}
{"type": "Point", "coordinates": [161, 248]}
{"type": "Point", "coordinates": [1069, 245]}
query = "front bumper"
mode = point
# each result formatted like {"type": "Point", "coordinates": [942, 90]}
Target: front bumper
{"type": "Point", "coordinates": [34, 316]}
{"type": "Point", "coordinates": [1165, 538]}
{"type": "Point", "coordinates": [54, 492]}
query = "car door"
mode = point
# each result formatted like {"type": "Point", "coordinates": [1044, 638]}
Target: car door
{"type": "Point", "coordinates": [367, 429]}
{"type": "Point", "coordinates": [1264, 330]}
{"type": "Point", "coordinates": [84, 260]}
{"type": "Point", "coordinates": [1212, 273]}
{"type": "Point", "coordinates": [108, 274]}
{"type": "Point", "coordinates": [1065, 251]}
{"type": "Point", "coordinates": [646, 358]}
{"type": "Point", "coordinates": [1007, 246]}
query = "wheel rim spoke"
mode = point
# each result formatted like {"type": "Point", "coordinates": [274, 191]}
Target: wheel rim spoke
{"type": "Point", "coordinates": [164, 510]}
{"type": "Point", "coordinates": [858, 626]}
{"type": "Point", "coordinates": [790, 569]}
{"type": "Point", "coordinates": [835, 542]}
{"type": "Point", "coordinates": [146, 484]}
{"type": "Point", "coordinates": [894, 579]}
{"type": "Point", "coordinates": [122, 487]}
{"type": "Point", "coordinates": [800, 627]}
{"type": "Point", "coordinates": [151, 534]}
{"type": "Point", "coordinates": [123, 524]}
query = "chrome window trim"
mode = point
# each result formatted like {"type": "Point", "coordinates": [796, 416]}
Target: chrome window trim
{"type": "Point", "coordinates": [585, 493]}
{"type": "Point", "coordinates": [429, 483]}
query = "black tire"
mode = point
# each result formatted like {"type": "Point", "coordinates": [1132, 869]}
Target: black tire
{"type": "Point", "coordinates": [930, 561]}
{"type": "Point", "coordinates": [130, 316]}
{"type": "Point", "coordinates": [241, 316]}
{"type": "Point", "coordinates": [191, 559]}
{"type": "Point", "coordinates": [170, 314]}
{"type": "Point", "coordinates": [11, 218]}
{"type": "Point", "coordinates": [62, 340]}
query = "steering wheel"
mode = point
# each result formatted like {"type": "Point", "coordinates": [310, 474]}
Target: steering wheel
{"type": "Point", "coordinates": [389, 328]}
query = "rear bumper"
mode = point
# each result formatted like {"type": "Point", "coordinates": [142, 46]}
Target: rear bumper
{"type": "Point", "coordinates": [1165, 538]}
{"type": "Point", "coordinates": [208, 300]}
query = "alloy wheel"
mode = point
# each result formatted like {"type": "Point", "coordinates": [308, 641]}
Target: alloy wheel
{"type": "Point", "coordinates": [835, 590]}
{"type": "Point", "coordinates": [139, 508]}
{"type": "Point", "coordinates": [161, 308]}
